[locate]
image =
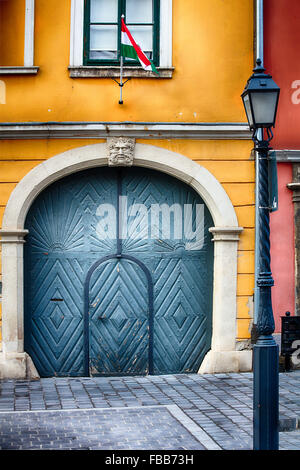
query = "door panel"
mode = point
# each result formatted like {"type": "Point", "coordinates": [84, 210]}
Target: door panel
{"type": "Point", "coordinates": [182, 272]}
{"type": "Point", "coordinates": [182, 327]}
{"type": "Point", "coordinates": [118, 319]}
{"type": "Point", "coordinates": [61, 246]}
{"type": "Point", "coordinates": [55, 327]}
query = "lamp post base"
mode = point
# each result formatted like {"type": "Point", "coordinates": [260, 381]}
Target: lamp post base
{"type": "Point", "coordinates": [265, 399]}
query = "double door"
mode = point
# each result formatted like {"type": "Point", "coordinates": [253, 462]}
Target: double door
{"type": "Point", "coordinates": [115, 283]}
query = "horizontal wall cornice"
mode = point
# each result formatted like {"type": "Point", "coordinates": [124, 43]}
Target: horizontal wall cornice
{"type": "Point", "coordinates": [287, 155]}
{"type": "Point", "coordinates": [114, 72]}
{"type": "Point", "coordinates": [19, 70]}
{"type": "Point", "coordinates": [142, 130]}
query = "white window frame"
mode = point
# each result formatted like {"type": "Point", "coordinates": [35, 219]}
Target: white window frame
{"type": "Point", "coordinates": [28, 67]}
{"type": "Point", "coordinates": [77, 69]}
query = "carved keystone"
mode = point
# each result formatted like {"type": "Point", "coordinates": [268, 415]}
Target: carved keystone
{"type": "Point", "coordinates": [120, 151]}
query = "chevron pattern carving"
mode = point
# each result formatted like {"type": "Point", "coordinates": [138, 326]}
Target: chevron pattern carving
{"type": "Point", "coordinates": [182, 279]}
{"type": "Point", "coordinates": [119, 319]}
{"type": "Point", "coordinates": [181, 336]}
{"type": "Point", "coordinates": [55, 327]}
{"type": "Point", "coordinates": [62, 246]}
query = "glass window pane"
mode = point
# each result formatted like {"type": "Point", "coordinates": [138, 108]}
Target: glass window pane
{"type": "Point", "coordinates": [103, 55]}
{"type": "Point", "coordinates": [103, 38]}
{"type": "Point", "coordinates": [139, 11]}
{"type": "Point", "coordinates": [248, 110]}
{"type": "Point", "coordinates": [264, 107]}
{"type": "Point", "coordinates": [143, 36]}
{"type": "Point", "coordinates": [104, 11]}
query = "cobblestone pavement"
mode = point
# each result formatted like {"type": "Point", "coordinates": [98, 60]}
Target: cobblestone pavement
{"type": "Point", "coordinates": [155, 412]}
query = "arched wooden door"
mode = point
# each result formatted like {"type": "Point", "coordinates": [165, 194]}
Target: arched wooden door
{"type": "Point", "coordinates": [114, 251]}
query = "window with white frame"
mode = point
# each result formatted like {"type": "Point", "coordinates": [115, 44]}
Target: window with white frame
{"type": "Point", "coordinates": [95, 32]}
{"type": "Point", "coordinates": [102, 29]}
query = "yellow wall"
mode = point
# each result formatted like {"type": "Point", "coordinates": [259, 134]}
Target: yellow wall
{"type": "Point", "coordinates": [12, 26]}
{"type": "Point", "coordinates": [212, 56]}
{"type": "Point", "coordinates": [228, 161]}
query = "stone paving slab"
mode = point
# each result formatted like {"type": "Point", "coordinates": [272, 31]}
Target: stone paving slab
{"type": "Point", "coordinates": [220, 405]}
{"type": "Point", "coordinates": [146, 428]}
{"type": "Point", "coordinates": [290, 440]}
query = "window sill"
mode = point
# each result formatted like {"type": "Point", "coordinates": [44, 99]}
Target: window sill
{"type": "Point", "coordinates": [18, 70]}
{"type": "Point", "coordinates": [93, 71]}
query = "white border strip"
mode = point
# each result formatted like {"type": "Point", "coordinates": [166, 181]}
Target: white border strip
{"type": "Point", "coordinates": [29, 34]}
{"type": "Point", "coordinates": [76, 33]}
{"type": "Point", "coordinates": [193, 428]}
{"type": "Point", "coordinates": [165, 39]}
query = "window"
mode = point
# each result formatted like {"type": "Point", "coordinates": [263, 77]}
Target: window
{"type": "Point", "coordinates": [102, 29]}
{"type": "Point", "coordinates": [95, 36]}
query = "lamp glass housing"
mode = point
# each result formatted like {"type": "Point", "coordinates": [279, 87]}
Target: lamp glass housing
{"type": "Point", "coordinates": [260, 98]}
{"type": "Point", "coordinates": [264, 105]}
{"type": "Point", "coordinates": [248, 110]}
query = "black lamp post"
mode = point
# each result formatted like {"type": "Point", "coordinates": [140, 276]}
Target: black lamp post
{"type": "Point", "coordinates": [260, 99]}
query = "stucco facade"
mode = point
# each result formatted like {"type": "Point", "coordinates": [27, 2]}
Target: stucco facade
{"type": "Point", "coordinates": [189, 123]}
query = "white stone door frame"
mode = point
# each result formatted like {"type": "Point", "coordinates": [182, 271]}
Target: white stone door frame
{"type": "Point", "coordinates": [222, 357]}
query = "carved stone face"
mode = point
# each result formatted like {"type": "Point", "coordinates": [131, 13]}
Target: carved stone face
{"type": "Point", "coordinates": [120, 151]}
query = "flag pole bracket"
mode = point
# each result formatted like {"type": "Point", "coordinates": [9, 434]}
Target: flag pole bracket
{"type": "Point", "coordinates": [121, 84]}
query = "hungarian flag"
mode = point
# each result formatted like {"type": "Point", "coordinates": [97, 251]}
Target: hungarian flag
{"type": "Point", "coordinates": [129, 48]}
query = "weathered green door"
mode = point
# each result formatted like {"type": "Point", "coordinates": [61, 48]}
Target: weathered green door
{"type": "Point", "coordinates": [118, 275]}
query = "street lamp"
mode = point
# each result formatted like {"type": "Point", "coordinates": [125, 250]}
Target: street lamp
{"type": "Point", "coordinates": [260, 99]}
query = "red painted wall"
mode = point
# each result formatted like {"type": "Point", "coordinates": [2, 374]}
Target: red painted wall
{"type": "Point", "coordinates": [281, 59]}
{"type": "Point", "coordinates": [282, 248]}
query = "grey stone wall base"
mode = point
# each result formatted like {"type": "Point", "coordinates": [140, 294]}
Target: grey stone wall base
{"type": "Point", "coordinates": [17, 366]}
{"type": "Point", "coordinates": [21, 366]}
{"type": "Point", "coordinates": [226, 361]}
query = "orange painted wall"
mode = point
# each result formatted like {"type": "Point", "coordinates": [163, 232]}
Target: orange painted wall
{"type": "Point", "coordinates": [212, 56]}
{"type": "Point", "coordinates": [12, 28]}
{"type": "Point", "coordinates": [229, 161]}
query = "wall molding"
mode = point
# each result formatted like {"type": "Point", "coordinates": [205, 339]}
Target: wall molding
{"type": "Point", "coordinates": [141, 130]}
{"type": "Point", "coordinates": [18, 70]}
{"type": "Point", "coordinates": [91, 71]}
{"type": "Point", "coordinates": [13, 236]}
{"type": "Point", "coordinates": [287, 155]}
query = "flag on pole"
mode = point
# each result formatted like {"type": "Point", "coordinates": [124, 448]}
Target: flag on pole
{"type": "Point", "coordinates": [129, 48]}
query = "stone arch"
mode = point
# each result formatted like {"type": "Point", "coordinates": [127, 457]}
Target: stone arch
{"type": "Point", "coordinates": [222, 357]}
